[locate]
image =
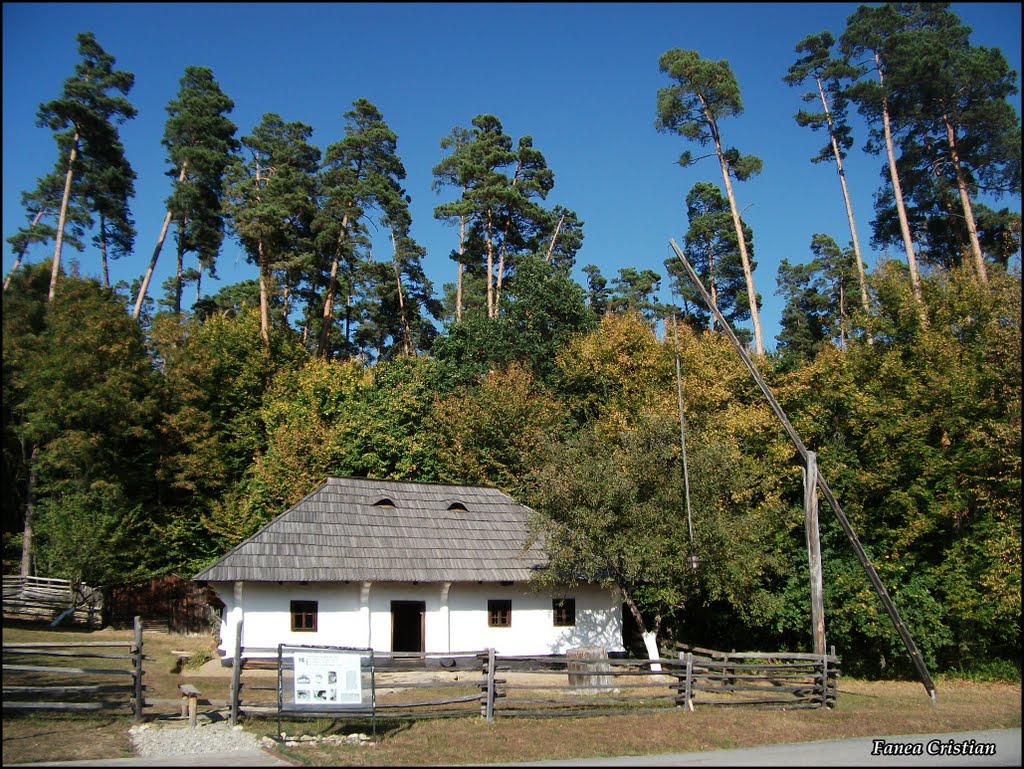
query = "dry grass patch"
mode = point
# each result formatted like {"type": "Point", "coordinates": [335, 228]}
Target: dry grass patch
{"type": "Point", "coordinates": [864, 709]}
{"type": "Point", "coordinates": [56, 737]}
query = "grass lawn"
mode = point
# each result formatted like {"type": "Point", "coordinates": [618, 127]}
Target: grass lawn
{"type": "Point", "coordinates": [864, 709]}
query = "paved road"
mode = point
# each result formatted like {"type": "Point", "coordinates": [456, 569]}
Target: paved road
{"type": "Point", "coordinates": [850, 752]}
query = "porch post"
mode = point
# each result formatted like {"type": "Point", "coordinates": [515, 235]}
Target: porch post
{"type": "Point", "coordinates": [364, 612]}
{"type": "Point", "coordinates": [445, 616]}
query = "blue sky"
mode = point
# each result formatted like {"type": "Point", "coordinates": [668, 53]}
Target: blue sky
{"type": "Point", "coordinates": [580, 78]}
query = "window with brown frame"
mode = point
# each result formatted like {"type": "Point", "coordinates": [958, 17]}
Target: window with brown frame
{"type": "Point", "coordinates": [499, 613]}
{"type": "Point", "coordinates": [563, 611]}
{"type": "Point", "coordinates": [304, 616]}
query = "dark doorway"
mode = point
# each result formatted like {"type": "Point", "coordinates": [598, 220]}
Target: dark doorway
{"type": "Point", "coordinates": [407, 626]}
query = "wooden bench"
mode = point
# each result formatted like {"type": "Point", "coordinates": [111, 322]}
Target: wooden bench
{"type": "Point", "coordinates": [189, 701]}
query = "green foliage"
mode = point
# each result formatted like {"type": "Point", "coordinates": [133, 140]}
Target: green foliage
{"type": "Point", "coordinates": [81, 407]}
{"type": "Point", "coordinates": [200, 139]}
{"type": "Point", "coordinates": [712, 250]}
{"type": "Point", "coordinates": [496, 432]}
{"type": "Point", "coordinates": [543, 310]}
{"type": "Point", "coordinates": [84, 119]}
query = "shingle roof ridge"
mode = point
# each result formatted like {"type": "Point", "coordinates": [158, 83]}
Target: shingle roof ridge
{"type": "Point", "coordinates": [405, 481]}
{"type": "Point", "coordinates": [356, 492]}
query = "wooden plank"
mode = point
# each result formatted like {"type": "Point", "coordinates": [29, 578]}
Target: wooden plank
{"type": "Point", "coordinates": [75, 706]}
{"type": "Point", "coordinates": [454, 700]}
{"type": "Point", "coordinates": [581, 712]}
{"type": "Point", "coordinates": [53, 653]}
{"type": "Point", "coordinates": [10, 691]}
{"type": "Point", "coordinates": [47, 644]}
{"type": "Point", "coordinates": [70, 671]}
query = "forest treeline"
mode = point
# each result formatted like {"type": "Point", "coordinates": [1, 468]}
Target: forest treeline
{"type": "Point", "coordinates": [142, 438]}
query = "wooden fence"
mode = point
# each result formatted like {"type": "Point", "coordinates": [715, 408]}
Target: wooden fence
{"type": "Point", "coordinates": [35, 678]}
{"type": "Point", "coordinates": [406, 686]}
{"type": "Point", "coordinates": [43, 599]}
{"type": "Point", "coordinates": [499, 686]}
{"type": "Point", "coordinates": [781, 680]}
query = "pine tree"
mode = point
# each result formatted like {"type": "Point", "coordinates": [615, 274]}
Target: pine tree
{"type": "Point", "coordinates": [828, 74]}
{"type": "Point", "coordinates": [868, 34]}
{"type": "Point", "coordinates": [199, 137]}
{"type": "Point", "coordinates": [703, 93]}
{"type": "Point", "coordinates": [710, 246]}
{"type": "Point", "coordinates": [83, 119]}
{"type": "Point", "coordinates": [41, 205]}
{"type": "Point", "coordinates": [270, 199]}
{"type": "Point", "coordinates": [361, 173]}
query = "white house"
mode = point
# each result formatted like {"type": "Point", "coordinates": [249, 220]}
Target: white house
{"type": "Point", "coordinates": [403, 567]}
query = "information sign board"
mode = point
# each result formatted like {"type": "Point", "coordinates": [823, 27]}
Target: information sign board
{"type": "Point", "coordinates": [325, 680]}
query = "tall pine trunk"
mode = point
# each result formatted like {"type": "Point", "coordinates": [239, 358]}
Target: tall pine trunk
{"type": "Point", "coordinates": [965, 201]}
{"type": "Point", "coordinates": [179, 270]}
{"type": "Point", "coordinates": [406, 331]}
{"type": "Point", "coordinates": [63, 216]}
{"type": "Point", "coordinates": [103, 251]}
{"type": "Point", "coordinates": [264, 295]}
{"type": "Point", "coordinates": [461, 268]}
{"type": "Point", "coordinates": [897, 190]}
{"type": "Point", "coordinates": [748, 274]}
{"type": "Point", "coordinates": [490, 267]}
{"type": "Point", "coordinates": [846, 199]}
{"type": "Point", "coordinates": [332, 289]}
{"type": "Point", "coordinates": [21, 253]}
{"type": "Point", "coordinates": [554, 239]}
{"type": "Point", "coordinates": [156, 253]}
{"type": "Point", "coordinates": [711, 284]}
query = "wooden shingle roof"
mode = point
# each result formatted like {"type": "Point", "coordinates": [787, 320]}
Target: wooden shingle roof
{"type": "Point", "coordinates": [388, 531]}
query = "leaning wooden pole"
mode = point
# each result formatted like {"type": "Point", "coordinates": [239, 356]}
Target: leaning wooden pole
{"type": "Point", "coordinates": [844, 522]}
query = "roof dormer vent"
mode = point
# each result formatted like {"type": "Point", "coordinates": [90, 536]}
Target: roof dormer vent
{"type": "Point", "coordinates": [457, 506]}
{"type": "Point", "coordinates": [384, 502]}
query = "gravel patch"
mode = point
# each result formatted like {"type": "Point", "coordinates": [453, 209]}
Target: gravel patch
{"type": "Point", "coordinates": [153, 740]}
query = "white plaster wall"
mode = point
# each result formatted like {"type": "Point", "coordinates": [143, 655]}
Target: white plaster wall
{"type": "Point", "coordinates": [462, 627]}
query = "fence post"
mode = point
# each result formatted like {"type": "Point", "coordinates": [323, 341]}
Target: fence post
{"type": "Point", "coordinates": [137, 653]}
{"type": "Point", "coordinates": [689, 681]}
{"type": "Point", "coordinates": [489, 714]}
{"type": "Point", "coordinates": [824, 680]}
{"type": "Point", "coordinates": [236, 673]}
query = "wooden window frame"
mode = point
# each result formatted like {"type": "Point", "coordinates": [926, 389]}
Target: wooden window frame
{"type": "Point", "coordinates": [563, 612]}
{"type": "Point", "coordinates": [499, 612]}
{"type": "Point", "coordinates": [304, 616]}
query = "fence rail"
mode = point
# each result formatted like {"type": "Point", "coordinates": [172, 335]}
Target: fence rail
{"type": "Point", "coordinates": [44, 599]}
{"type": "Point", "coordinates": [32, 680]}
{"type": "Point", "coordinates": [499, 686]}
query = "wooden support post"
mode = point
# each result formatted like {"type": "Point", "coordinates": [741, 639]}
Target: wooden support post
{"type": "Point", "coordinates": [689, 681]}
{"type": "Point", "coordinates": [814, 552]}
{"type": "Point", "coordinates": [137, 652]}
{"type": "Point", "coordinates": [844, 522]}
{"type": "Point", "coordinates": [489, 713]}
{"type": "Point", "coordinates": [189, 702]}
{"type": "Point", "coordinates": [236, 674]}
